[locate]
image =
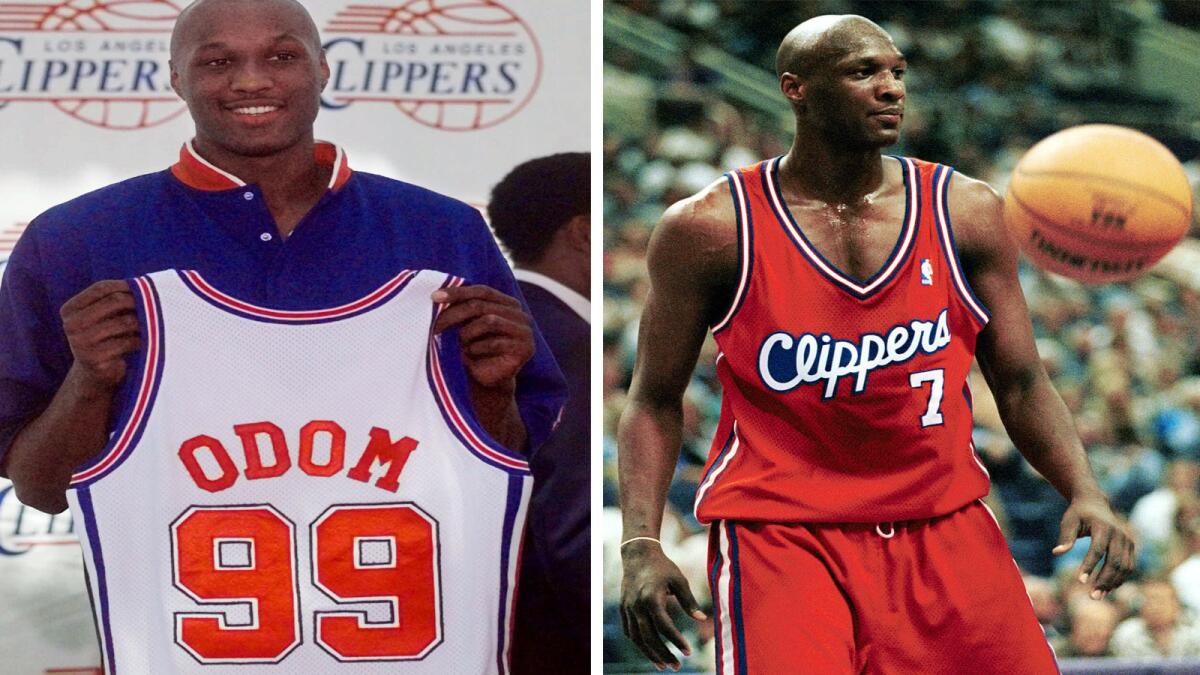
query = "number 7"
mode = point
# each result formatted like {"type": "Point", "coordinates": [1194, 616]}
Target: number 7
{"type": "Point", "coordinates": [936, 379]}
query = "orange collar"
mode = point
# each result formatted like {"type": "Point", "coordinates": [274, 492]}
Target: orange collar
{"type": "Point", "coordinates": [196, 172]}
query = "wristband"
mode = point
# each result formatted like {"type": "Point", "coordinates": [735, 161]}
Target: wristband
{"type": "Point", "coordinates": [630, 541]}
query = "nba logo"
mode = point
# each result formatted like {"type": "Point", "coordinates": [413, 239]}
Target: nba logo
{"type": "Point", "coordinates": [926, 272]}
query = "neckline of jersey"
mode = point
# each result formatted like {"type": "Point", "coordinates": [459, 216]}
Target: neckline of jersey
{"type": "Point", "coordinates": [904, 241]}
{"type": "Point", "coordinates": [198, 173]}
{"type": "Point", "coordinates": [204, 290]}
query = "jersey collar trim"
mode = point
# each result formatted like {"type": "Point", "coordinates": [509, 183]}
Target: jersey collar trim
{"type": "Point", "coordinates": [225, 302]}
{"type": "Point", "coordinates": [196, 172]}
{"type": "Point", "coordinates": [897, 258]}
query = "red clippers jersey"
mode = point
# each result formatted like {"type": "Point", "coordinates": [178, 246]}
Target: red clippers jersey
{"type": "Point", "coordinates": [844, 401]}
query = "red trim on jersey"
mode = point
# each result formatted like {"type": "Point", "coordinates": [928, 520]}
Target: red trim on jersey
{"type": "Point", "coordinates": [731, 448]}
{"type": "Point", "coordinates": [145, 390]}
{"type": "Point", "coordinates": [442, 391]}
{"type": "Point", "coordinates": [196, 172]}
{"type": "Point", "coordinates": [219, 298]}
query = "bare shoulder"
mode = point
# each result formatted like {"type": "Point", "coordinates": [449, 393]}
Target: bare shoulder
{"type": "Point", "coordinates": [697, 235]}
{"type": "Point", "coordinates": [976, 214]}
{"type": "Point", "coordinates": [708, 215]}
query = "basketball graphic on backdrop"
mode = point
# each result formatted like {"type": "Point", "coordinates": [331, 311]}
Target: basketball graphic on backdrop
{"type": "Point", "coordinates": [452, 65]}
{"type": "Point", "coordinates": [103, 62]}
{"type": "Point", "coordinates": [1098, 203]}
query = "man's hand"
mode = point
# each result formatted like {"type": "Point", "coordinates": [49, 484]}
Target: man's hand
{"type": "Point", "coordinates": [496, 334]}
{"type": "Point", "coordinates": [1112, 540]}
{"type": "Point", "coordinates": [101, 328]}
{"type": "Point", "coordinates": [650, 579]}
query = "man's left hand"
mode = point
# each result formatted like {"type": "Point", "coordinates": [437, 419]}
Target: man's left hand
{"type": "Point", "coordinates": [495, 334]}
{"type": "Point", "coordinates": [1112, 540]}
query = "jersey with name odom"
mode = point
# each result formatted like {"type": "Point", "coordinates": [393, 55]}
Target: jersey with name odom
{"type": "Point", "coordinates": [299, 492]}
{"type": "Point", "coordinates": [844, 400]}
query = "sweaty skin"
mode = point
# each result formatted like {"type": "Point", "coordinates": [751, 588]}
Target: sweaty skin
{"type": "Point", "coordinates": [843, 77]}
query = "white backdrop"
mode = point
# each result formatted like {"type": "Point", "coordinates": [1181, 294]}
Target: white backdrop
{"type": "Point", "coordinates": [529, 58]}
{"type": "Point", "coordinates": [447, 94]}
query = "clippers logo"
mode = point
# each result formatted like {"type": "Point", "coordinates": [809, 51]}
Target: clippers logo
{"type": "Point", "coordinates": [786, 362]}
{"type": "Point", "coordinates": [22, 528]}
{"type": "Point", "coordinates": [101, 61]}
{"type": "Point", "coordinates": [455, 65]}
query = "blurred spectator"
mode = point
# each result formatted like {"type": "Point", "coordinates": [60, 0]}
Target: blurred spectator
{"type": "Point", "coordinates": [1153, 515]}
{"type": "Point", "coordinates": [1186, 575]}
{"type": "Point", "coordinates": [1092, 626]}
{"type": "Point", "coordinates": [1161, 628]}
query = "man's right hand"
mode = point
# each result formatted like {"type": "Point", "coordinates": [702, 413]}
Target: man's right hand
{"type": "Point", "coordinates": [650, 579]}
{"type": "Point", "coordinates": [102, 328]}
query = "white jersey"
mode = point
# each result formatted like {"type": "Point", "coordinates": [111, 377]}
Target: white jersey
{"type": "Point", "coordinates": [298, 492]}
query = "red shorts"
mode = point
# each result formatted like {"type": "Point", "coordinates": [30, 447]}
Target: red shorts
{"type": "Point", "coordinates": [940, 595]}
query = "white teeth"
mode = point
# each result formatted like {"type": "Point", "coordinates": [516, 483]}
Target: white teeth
{"type": "Point", "coordinates": [257, 110]}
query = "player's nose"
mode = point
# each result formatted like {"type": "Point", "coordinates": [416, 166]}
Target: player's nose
{"type": "Point", "coordinates": [891, 88]}
{"type": "Point", "coordinates": [251, 77]}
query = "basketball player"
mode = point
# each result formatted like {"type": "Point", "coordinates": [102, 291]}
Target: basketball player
{"type": "Point", "coordinates": [272, 219]}
{"type": "Point", "coordinates": [842, 489]}
{"type": "Point", "coordinates": [267, 213]}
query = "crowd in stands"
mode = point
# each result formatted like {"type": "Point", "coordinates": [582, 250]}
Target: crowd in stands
{"type": "Point", "coordinates": [983, 86]}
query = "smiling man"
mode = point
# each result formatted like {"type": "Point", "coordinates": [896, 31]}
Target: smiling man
{"type": "Point", "coordinates": [257, 125]}
{"type": "Point", "coordinates": [278, 221]}
{"type": "Point", "coordinates": [843, 494]}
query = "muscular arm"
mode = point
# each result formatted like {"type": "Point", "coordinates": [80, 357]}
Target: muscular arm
{"type": "Point", "coordinates": [693, 266]}
{"type": "Point", "coordinates": [1037, 420]}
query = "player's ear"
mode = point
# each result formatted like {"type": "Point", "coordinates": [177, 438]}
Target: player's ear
{"type": "Point", "coordinates": [174, 78]}
{"type": "Point", "coordinates": [324, 70]}
{"type": "Point", "coordinates": [792, 87]}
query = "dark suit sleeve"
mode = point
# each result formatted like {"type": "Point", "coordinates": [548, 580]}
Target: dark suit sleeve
{"type": "Point", "coordinates": [561, 508]}
{"type": "Point", "coordinates": [553, 604]}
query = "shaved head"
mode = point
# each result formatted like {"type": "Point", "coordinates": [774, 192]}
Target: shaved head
{"type": "Point", "coordinates": [199, 14]}
{"type": "Point", "coordinates": [821, 41]}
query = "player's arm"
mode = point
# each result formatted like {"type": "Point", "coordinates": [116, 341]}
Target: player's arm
{"type": "Point", "coordinates": [1037, 420]}
{"type": "Point", "coordinates": [101, 328]}
{"type": "Point", "coordinates": [692, 263]}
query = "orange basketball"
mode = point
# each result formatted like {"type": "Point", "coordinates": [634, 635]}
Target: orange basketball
{"type": "Point", "coordinates": [1098, 203]}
